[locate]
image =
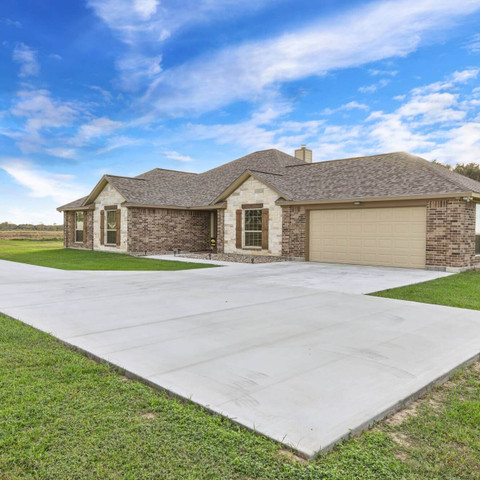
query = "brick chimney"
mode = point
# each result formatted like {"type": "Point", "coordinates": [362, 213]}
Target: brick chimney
{"type": "Point", "coordinates": [304, 154]}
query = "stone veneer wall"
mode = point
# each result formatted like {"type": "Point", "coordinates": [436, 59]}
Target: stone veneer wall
{"type": "Point", "coordinates": [109, 196]}
{"type": "Point", "coordinates": [253, 191]}
{"type": "Point", "coordinates": [68, 224]}
{"type": "Point", "coordinates": [451, 234]}
{"type": "Point", "coordinates": [293, 231]}
{"type": "Point", "coordinates": [220, 230]}
{"type": "Point", "coordinates": [163, 230]}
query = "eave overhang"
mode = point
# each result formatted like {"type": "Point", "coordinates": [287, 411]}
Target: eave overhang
{"type": "Point", "coordinates": [461, 195]}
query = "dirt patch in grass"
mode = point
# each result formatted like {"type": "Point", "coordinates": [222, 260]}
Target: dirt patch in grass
{"type": "Point", "coordinates": [402, 415]}
{"type": "Point", "coordinates": [289, 455]}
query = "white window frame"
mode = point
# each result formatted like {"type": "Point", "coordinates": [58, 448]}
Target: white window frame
{"type": "Point", "coordinates": [77, 230]}
{"type": "Point", "coordinates": [245, 231]}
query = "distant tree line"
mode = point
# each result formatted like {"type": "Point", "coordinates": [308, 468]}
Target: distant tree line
{"type": "Point", "coordinates": [6, 226]}
{"type": "Point", "coordinates": [470, 170]}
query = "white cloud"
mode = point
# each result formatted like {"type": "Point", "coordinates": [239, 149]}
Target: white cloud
{"type": "Point", "coordinates": [465, 75]}
{"type": "Point", "coordinates": [375, 86]}
{"type": "Point", "coordinates": [144, 21]}
{"type": "Point", "coordinates": [40, 112]}
{"type": "Point", "coordinates": [98, 127]}
{"type": "Point", "coordinates": [253, 133]}
{"type": "Point", "coordinates": [438, 125]}
{"type": "Point", "coordinates": [104, 93]}
{"type": "Point", "coordinates": [455, 78]}
{"type": "Point", "coordinates": [474, 44]}
{"type": "Point", "coordinates": [433, 121]}
{"type": "Point", "coordinates": [145, 8]}
{"type": "Point", "coordinates": [374, 32]}
{"type": "Point", "coordinates": [462, 145]}
{"type": "Point", "coordinates": [433, 108]}
{"type": "Point", "coordinates": [354, 105]}
{"type": "Point", "coordinates": [391, 73]}
{"type": "Point", "coordinates": [11, 23]}
{"type": "Point", "coordinates": [26, 57]}
{"type": "Point", "coordinates": [368, 88]}
{"type": "Point", "coordinates": [264, 129]}
{"type": "Point", "coordinates": [172, 155]}
{"type": "Point", "coordinates": [68, 153]}
{"type": "Point", "coordinates": [136, 71]}
{"type": "Point", "coordinates": [42, 184]}
{"type": "Point", "coordinates": [119, 142]}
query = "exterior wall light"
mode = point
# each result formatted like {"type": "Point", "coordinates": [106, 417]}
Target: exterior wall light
{"type": "Point", "coordinates": [356, 203]}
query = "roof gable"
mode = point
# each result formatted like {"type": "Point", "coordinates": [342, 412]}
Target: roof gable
{"type": "Point", "coordinates": [239, 181]}
{"type": "Point", "coordinates": [125, 186]}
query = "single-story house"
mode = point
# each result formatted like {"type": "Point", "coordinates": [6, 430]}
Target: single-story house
{"type": "Point", "coordinates": [393, 209]}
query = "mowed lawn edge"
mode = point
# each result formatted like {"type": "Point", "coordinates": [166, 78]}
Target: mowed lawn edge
{"type": "Point", "coordinates": [63, 415]}
{"type": "Point", "coordinates": [50, 253]}
{"type": "Point", "coordinates": [461, 290]}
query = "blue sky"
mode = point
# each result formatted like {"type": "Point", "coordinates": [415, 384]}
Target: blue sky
{"type": "Point", "coordinates": [90, 87]}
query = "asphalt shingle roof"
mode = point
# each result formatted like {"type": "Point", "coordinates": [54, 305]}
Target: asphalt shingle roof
{"type": "Point", "coordinates": [386, 175]}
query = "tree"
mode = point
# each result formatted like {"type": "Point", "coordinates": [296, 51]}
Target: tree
{"type": "Point", "coordinates": [470, 170]}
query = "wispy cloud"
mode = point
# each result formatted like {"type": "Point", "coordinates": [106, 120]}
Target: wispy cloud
{"type": "Point", "coordinates": [68, 153]}
{"type": "Point", "coordinates": [434, 120]}
{"type": "Point", "coordinates": [145, 21]}
{"type": "Point", "coordinates": [121, 141]}
{"type": "Point", "coordinates": [107, 96]}
{"type": "Point", "coordinates": [41, 184]}
{"type": "Point", "coordinates": [137, 71]}
{"type": "Point", "coordinates": [375, 86]}
{"type": "Point", "coordinates": [354, 105]}
{"type": "Point", "coordinates": [172, 155]}
{"type": "Point", "coordinates": [451, 81]}
{"type": "Point", "coordinates": [390, 73]}
{"type": "Point", "coordinates": [474, 44]}
{"type": "Point", "coordinates": [444, 125]}
{"type": "Point", "coordinates": [378, 31]}
{"type": "Point", "coordinates": [26, 57]}
{"type": "Point", "coordinates": [11, 23]}
{"type": "Point", "coordinates": [40, 111]}
{"type": "Point", "coordinates": [98, 127]}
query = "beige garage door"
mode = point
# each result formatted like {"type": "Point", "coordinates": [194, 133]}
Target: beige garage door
{"type": "Point", "coordinates": [369, 236]}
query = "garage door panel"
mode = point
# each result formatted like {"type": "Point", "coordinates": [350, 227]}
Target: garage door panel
{"type": "Point", "coordinates": [370, 236]}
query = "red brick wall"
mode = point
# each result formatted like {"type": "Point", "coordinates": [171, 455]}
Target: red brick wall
{"type": "Point", "coordinates": [162, 230]}
{"type": "Point", "coordinates": [450, 233]}
{"type": "Point", "coordinates": [293, 231]}
{"type": "Point", "coordinates": [68, 226]}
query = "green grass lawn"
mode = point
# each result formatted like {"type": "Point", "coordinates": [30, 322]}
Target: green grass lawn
{"type": "Point", "coordinates": [63, 416]}
{"type": "Point", "coordinates": [460, 290]}
{"type": "Point", "coordinates": [49, 253]}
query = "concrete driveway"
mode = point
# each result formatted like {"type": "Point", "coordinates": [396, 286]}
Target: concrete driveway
{"type": "Point", "coordinates": [292, 350]}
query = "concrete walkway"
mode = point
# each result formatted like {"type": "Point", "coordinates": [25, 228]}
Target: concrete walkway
{"type": "Point", "coordinates": [290, 349]}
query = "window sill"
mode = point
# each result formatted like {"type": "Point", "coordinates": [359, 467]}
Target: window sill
{"type": "Point", "coordinates": [252, 248]}
{"type": "Point", "coordinates": [111, 245]}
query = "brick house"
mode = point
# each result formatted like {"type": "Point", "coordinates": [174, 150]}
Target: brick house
{"type": "Point", "coordinates": [393, 209]}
